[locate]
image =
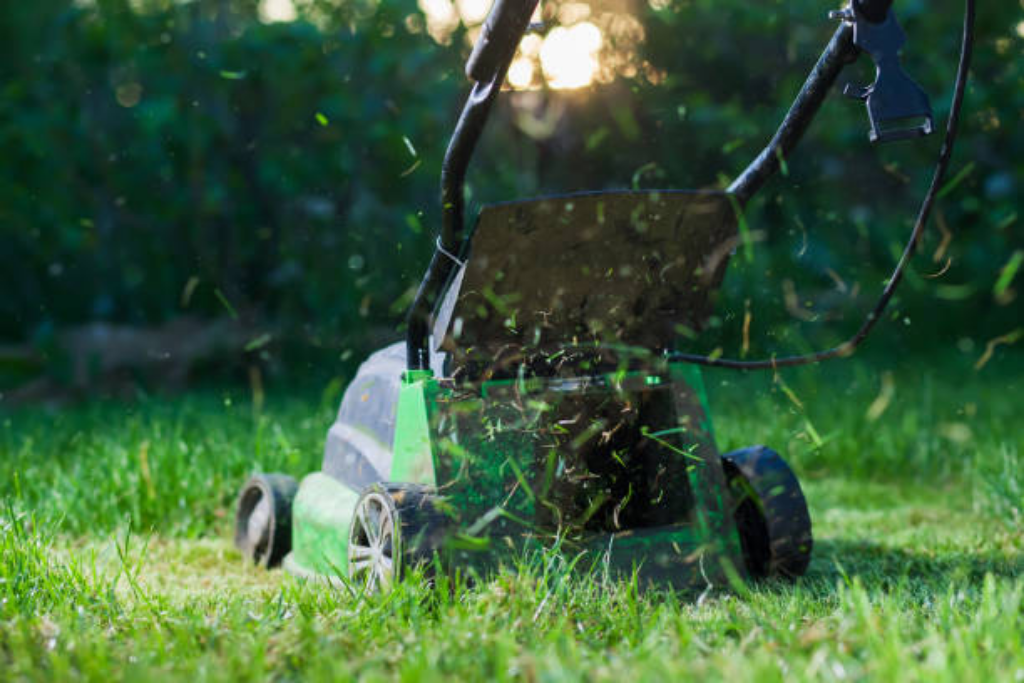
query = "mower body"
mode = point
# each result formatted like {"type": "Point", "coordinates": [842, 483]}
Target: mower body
{"type": "Point", "coordinates": [621, 466]}
{"type": "Point", "coordinates": [547, 415]}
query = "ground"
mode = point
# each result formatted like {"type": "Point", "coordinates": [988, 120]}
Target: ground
{"type": "Point", "coordinates": [116, 561]}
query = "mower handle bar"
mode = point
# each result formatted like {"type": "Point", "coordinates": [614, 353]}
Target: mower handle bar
{"type": "Point", "coordinates": [502, 30]}
{"type": "Point", "coordinates": [487, 66]}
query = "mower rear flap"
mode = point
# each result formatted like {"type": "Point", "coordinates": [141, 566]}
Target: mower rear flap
{"type": "Point", "coordinates": [624, 268]}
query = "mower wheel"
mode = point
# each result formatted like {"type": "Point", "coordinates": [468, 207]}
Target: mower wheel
{"type": "Point", "coordinates": [770, 512]}
{"type": "Point", "coordinates": [395, 527]}
{"type": "Point", "coordinates": [263, 520]}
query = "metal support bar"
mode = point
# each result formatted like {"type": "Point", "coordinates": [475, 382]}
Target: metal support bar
{"type": "Point", "coordinates": [453, 177]}
{"type": "Point", "coordinates": [839, 52]}
{"type": "Point", "coordinates": [488, 65]}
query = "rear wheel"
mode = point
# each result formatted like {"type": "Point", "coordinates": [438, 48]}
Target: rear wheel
{"type": "Point", "coordinates": [770, 512]}
{"type": "Point", "coordinates": [263, 518]}
{"type": "Point", "coordinates": [395, 527]}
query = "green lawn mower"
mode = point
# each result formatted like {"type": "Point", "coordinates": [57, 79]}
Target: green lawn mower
{"type": "Point", "coordinates": [538, 399]}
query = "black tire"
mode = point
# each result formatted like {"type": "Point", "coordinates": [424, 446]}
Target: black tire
{"type": "Point", "coordinates": [395, 527]}
{"type": "Point", "coordinates": [263, 518]}
{"type": "Point", "coordinates": [770, 512]}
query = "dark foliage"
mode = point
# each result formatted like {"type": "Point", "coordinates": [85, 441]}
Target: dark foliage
{"type": "Point", "coordinates": [161, 157]}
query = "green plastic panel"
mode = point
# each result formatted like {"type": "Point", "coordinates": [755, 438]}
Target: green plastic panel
{"type": "Point", "coordinates": [692, 376]}
{"type": "Point", "coordinates": [321, 515]}
{"type": "Point", "coordinates": [413, 457]}
{"type": "Point", "coordinates": [626, 459]}
{"type": "Point", "coordinates": [622, 467]}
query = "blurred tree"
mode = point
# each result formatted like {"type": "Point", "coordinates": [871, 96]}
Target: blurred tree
{"type": "Point", "coordinates": [160, 156]}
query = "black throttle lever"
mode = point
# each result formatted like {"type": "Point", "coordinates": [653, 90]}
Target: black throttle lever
{"type": "Point", "coordinates": [897, 106]}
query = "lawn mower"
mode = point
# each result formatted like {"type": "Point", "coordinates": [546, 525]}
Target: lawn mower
{"type": "Point", "coordinates": [538, 399]}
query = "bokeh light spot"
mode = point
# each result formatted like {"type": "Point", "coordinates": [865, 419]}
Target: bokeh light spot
{"type": "Point", "coordinates": [569, 55]}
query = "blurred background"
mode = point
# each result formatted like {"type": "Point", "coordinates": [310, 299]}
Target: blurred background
{"type": "Point", "coordinates": [247, 190]}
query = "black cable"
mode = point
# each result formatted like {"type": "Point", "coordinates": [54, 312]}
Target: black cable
{"type": "Point", "coordinates": [847, 348]}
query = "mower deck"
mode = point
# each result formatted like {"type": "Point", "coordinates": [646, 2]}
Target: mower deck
{"type": "Point", "coordinates": [623, 465]}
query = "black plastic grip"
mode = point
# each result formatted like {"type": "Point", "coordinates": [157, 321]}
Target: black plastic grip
{"type": "Point", "coordinates": [874, 11]}
{"type": "Point", "coordinates": [502, 31]}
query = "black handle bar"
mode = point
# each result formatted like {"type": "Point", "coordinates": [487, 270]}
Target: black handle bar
{"type": "Point", "coordinates": [504, 28]}
{"type": "Point", "coordinates": [839, 52]}
{"type": "Point", "coordinates": [487, 65]}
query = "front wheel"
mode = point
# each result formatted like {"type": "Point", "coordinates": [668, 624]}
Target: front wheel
{"type": "Point", "coordinates": [770, 512]}
{"type": "Point", "coordinates": [263, 519]}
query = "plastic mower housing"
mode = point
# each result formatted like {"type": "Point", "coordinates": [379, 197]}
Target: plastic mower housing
{"type": "Point", "coordinates": [520, 436]}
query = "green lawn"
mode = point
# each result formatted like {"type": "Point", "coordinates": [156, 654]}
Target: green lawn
{"type": "Point", "coordinates": [115, 558]}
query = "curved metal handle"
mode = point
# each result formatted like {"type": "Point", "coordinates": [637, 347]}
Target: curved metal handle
{"type": "Point", "coordinates": [839, 52]}
{"type": "Point", "coordinates": [487, 65]}
{"type": "Point", "coordinates": [502, 31]}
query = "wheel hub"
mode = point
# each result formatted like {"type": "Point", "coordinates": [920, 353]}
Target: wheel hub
{"type": "Point", "coordinates": [372, 544]}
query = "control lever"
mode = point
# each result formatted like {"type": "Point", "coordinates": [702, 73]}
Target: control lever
{"type": "Point", "coordinates": [897, 106]}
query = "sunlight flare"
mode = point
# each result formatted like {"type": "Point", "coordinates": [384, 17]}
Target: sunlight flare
{"type": "Point", "coordinates": [568, 56]}
{"type": "Point", "coordinates": [277, 10]}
